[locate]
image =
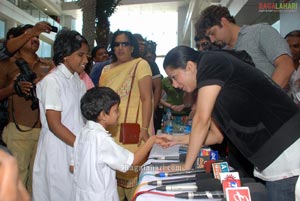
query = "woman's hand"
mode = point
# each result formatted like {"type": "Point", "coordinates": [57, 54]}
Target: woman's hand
{"type": "Point", "coordinates": [165, 140]}
{"type": "Point", "coordinates": [171, 140]}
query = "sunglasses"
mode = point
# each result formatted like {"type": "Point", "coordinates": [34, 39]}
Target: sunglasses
{"type": "Point", "coordinates": [122, 44]}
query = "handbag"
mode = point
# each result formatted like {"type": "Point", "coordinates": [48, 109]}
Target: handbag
{"type": "Point", "coordinates": [130, 132]}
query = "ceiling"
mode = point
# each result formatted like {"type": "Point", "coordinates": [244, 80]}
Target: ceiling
{"type": "Point", "coordinates": [136, 6]}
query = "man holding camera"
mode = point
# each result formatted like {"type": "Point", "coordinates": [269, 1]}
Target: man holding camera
{"type": "Point", "coordinates": [18, 76]}
{"type": "Point", "coordinates": [12, 44]}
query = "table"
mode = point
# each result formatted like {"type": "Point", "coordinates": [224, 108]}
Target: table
{"type": "Point", "coordinates": [148, 171]}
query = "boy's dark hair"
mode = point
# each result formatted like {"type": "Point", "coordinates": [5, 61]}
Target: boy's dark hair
{"type": "Point", "coordinates": [66, 42]}
{"type": "Point", "coordinates": [295, 33]}
{"type": "Point", "coordinates": [96, 100]}
{"type": "Point", "coordinates": [211, 16]}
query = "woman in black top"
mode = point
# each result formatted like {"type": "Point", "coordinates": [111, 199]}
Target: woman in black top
{"type": "Point", "coordinates": [240, 102]}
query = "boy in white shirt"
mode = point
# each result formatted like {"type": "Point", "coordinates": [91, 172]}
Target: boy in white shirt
{"type": "Point", "coordinates": [96, 155]}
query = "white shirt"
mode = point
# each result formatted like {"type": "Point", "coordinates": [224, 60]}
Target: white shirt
{"type": "Point", "coordinates": [286, 165]}
{"type": "Point", "coordinates": [96, 157]}
{"type": "Point", "coordinates": [60, 91]}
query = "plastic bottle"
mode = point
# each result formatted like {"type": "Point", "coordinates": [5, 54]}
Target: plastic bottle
{"type": "Point", "coordinates": [168, 124]}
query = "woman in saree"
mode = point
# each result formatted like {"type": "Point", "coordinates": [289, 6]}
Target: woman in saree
{"type": "Point", "coordinates": [118, 75]}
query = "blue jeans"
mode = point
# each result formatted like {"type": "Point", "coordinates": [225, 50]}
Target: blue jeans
{"type": "Point", "coordinates": [282, 190]}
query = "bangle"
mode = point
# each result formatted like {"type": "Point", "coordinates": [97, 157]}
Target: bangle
{"type": "Point", "coordinates": [144, 128]}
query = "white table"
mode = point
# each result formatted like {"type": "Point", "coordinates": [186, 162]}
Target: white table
{"type": "Point", "coordinates": [147, 174]}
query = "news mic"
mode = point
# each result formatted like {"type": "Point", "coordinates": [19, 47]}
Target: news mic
{"type": "Point", "coordinates": [166, 158]}
{"type": "Point", "coordinates": [172, 181]}
{"type": "Point", "coordinates": [179, 173]}
{"type": "Point", "coordinates": [200, 195]}
{"type": "Point", "coordinates": [200, 185]}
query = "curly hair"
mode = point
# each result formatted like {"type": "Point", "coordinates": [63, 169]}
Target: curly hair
{"type": "Point", "coordinates": [211, 16]}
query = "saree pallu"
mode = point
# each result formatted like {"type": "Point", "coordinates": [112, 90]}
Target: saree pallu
{"type": "Point", "coordinates": [119, 79]}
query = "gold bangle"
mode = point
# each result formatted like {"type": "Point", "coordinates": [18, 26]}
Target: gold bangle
{"type": "Point", "coordinates": [144, 128]}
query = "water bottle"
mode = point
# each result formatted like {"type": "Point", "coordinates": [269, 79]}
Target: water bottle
{"type": "Point", "coordinates": [188, 126]}
{"type": "Point", "coordinates": [168, 124]}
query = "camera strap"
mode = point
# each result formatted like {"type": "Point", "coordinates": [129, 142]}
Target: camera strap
{"type": "Point", "coordinates": [15, 122]}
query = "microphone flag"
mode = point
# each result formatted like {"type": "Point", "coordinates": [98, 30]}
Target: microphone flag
{"type": "Point", "coordinates": [220, 167]}
{"type": "Point", "coordinates": [239, 193]}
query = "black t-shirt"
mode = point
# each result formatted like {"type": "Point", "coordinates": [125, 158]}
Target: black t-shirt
{"type": "Point", "coordinates": [250, 107]}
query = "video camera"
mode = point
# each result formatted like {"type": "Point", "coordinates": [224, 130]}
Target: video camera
{"type": "Point", "coordinates": [26, 75]}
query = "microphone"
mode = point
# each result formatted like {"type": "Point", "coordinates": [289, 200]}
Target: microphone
{"type": "Point", "coordinates": [171, 181]}
{"type": "Point", "coordinates": [201, 185]}
{"type": "Point", "coordinates": [200, 195]}
{"type": "Point", "coordinates": [179, 173]}
{"type": "Point", "coordinates": [166, 158]}
{"type": "Point", "coordinates": [190, 179]}
{"type": "Point", "coordinates": [190, 187]}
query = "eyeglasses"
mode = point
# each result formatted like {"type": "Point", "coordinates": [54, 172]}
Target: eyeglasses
{"type": "Point", "coordinates": [122, 44]}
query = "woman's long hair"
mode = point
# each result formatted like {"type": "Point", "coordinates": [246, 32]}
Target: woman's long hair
{"type": "Point", "coordinates": [179, 56]}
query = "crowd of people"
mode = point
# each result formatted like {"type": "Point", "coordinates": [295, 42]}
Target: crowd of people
{"type": "Point", "coordinates": [62, 116]}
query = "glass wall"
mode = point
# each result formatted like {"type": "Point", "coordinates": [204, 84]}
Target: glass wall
{"type": "Point", "coordinates": [2, 29]}
{"type": "Point", "coordinates": [44, 50]}
{"type": "Point", "coordinates": [29, 8]}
